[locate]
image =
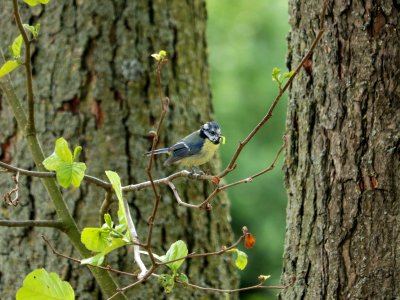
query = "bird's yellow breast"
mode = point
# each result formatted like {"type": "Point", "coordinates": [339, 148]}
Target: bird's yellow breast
{"type": "Point", "coordinates": [207, 152]}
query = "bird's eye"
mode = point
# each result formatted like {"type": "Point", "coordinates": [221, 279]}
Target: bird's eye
{"type": "Point", "coordinates": [212, 132]}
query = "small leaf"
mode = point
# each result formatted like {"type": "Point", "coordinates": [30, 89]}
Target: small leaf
{"type": "Point", "coordinates": [35, 2]}
{"type": "Point", "coordinates": [8, 67]}
{"type": "Point", "coordinates": [288, 75]}
{"type": "Point", "coordinates": [249, 241]}
{"type": "Point", "coordinates": [177, 250]}
{"type": "Point", "coordinates": [70, 173]}
{"type": "Point", "coordinates": [42, 285]}
{"type": "Point", "coordinates": [67, 171]}
{"type": "Point", "coordinates": [96, 239]}
{"type": "Point", "coordinates": [77, 152]}
{"type": "Point", "coordinates": [183, 278]}
{"type": "Point", "coordinates": [223, 139]}
{"type": "Point", "coordinates": [15, 48]}
{"type": "Point", "coordinates": [34, 30]}
{"type": "Point", "coordinates": [116, 184]}
{"type": "Point", "coordinates": [167, 281]}
{"type": "Point", "coordinates": [241, 259]}
{"type": "Point", "coordinates": [160, 56]}
{"type": "Point", "coordinates": [108, 220]}
{"type": "Point", "coordinates": [96, 260]}
{"type": "Point", "coordinates": [276, 75]}
{"type": "Point", "coordinates": [62, 150]}
{"type": "Point", "coordinates": [263, 278]}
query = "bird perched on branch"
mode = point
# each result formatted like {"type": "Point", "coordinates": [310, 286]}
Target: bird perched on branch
{"type": "Point", "coordinates": [195, 149]}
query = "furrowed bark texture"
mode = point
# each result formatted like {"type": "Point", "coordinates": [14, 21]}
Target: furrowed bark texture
{"type": "Point", "coordinates": [95, 85]}
{"type": "Point", "coordinates": [342, 162]}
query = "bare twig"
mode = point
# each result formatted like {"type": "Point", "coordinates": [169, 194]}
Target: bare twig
{"type": "Point", "coordinates": [253, 287]}
{"type": "Point", "coordinates": [216, 253]}
{"type": "Point", "coordinates": [107, 268]}
{"type": "Point", "coordinates": [178, 198]}
{"type": "Point", "coordinates": [206, 203]}
{"type": "Point", "coordinates": [101, 183]}
{"type": "Point", "coordinates": [164, 106]}
{"type": "Point", "coordinates": [32, 223]}
{"type": "Point", "coordinates": [232, 164]}
{"type": "Point", "coordinates": [105, 206]}
{"type": "Point", "coordinates": [14, 191]}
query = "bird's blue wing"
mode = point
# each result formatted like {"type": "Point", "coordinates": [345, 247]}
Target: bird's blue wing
{"type": "Point", "coordinates": [185, 148]}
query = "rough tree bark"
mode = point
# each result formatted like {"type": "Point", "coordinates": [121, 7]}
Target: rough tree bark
{"type": "Point", "coordinates": [94, 85]}
{"type": "Point", "coordinates": [342, 163]}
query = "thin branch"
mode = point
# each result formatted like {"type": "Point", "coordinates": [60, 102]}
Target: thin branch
{"type": "Point", "coordinates": [101, 183]}
{"type": "Point", "coordinates": [164, 106]}
{"type": "Point", "coordinates": [33, 223]}
{"type": "Point", "coordinates": [107, 268]}
{"type": "Point", "coordinates": [14, 191]}
{"type": "Point", "coordinates": [31, 129]}
{"type": "Point", "coordinates": [206, 203]}
{"type": "Point", "coordinates": [215, 253]}
{"type": "Point", "coordinates": [232, 164]}
{"type": "Point", "coordinates": [122, 290]}
{"type": "Point", "coordinates": [253, 287]}
{"type": "Point", "coordinates": [105, 206]}
{"type": "Point", "coordinates": [178, 198]}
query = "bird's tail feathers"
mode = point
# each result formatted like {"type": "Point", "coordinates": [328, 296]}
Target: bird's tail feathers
{"type": "Point", "coordinates": [158, 151]}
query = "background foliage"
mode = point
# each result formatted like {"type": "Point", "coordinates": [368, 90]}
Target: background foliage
{"type": "Point", "coordinates": [246, 40]}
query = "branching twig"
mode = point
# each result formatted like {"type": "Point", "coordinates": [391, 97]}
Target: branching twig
{"type": "Point", "coordinates": [107, 268]}
{"type": "Point", "coordinates": [178, 198]}
{"type": "Point", "coordinates": [253, 287]}
{"type": "Point", "coordinates": [101, 183]}
{"type": "Point", "coordinates": [7, 196]}
{"type": "Point", "coordinates": [232, 164]}
{"type": "Point", "coordinates": [164, 106]}
{"type": "Point", "coordinates": [206, 203]}
{"type": "Point", "coordinates": [216, 253]}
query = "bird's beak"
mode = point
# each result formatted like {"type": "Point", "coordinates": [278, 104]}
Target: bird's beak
{"type": "Point", "coordinates": [222, 139]}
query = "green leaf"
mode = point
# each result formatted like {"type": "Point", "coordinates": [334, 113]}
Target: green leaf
{"type": "Point", "coordinates": [177, 250]}
{"type": "Point", "coordinates": [36, 2]}
{"type": "Point", "coordinates": [96, 260]}
{"type": "Point", "coordinates": [241, 259]}
{"type": "Point", "coordinates": [167, 282]}
{"type": "Point", "coordinates": [8, 67]}
{"type": "Point", "coordinates": [160, 56]}
{"type": "Point", "coordinates": [108, 220]}
{"type": "Point", "coordinates": [62, 150]}
{"type": "Point", "coordinates": [263, 277]}
{"type": "Point", "coordinates": [77, 152]}
{"type": "Point", "coordinates": [67, 171]}
{"type": "Point", "coordinates": [288, 75]}
{"type": "Point", "coordinates": [116, 184]}
{"type": "Point", "coordinates": [276, 75]}
{"type": "Point", "coordinates": [34, 30]}
{"type": "Point", "coordinates": [39, 285]}
{"type": "Point", "coordinates": [70, 173]}
{"type": "Point", "coordinates": [183, 278]}
{"type": "Point", "coordinates": [96, 239]}
{"type": "Point", "coordinates": [15, 48]}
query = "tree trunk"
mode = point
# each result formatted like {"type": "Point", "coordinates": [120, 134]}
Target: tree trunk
{"type": "Point", "coordinates": [95, 85]}
{"type": "Point", "coordinates": [342, 162]}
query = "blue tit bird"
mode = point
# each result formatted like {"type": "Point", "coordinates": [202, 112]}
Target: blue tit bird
{"type": "Point", "coordinates": [195, 149]}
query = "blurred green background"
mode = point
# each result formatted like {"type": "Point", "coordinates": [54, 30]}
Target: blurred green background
{"type": "Point", "coordinates": [246, 40]}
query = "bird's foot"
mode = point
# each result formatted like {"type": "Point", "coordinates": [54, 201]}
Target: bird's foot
{"type": "Point", "coordinates": [196, 171]}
